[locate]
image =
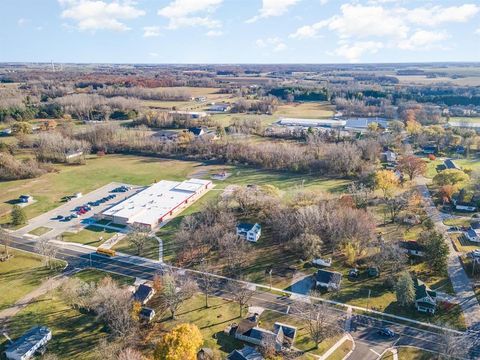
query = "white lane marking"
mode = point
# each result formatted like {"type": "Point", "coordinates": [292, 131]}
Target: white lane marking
{"type": "Point", "coordinates": [374, 352]}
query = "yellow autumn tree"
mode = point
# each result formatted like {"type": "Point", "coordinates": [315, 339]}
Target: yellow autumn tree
{"type": "Point", "coordinates": [181, 343]}
{"type": "Point", "coordinates": [386, 181]}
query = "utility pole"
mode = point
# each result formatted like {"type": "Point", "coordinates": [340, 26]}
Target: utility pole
{"type": "Point", "coordinates": [368, 298]}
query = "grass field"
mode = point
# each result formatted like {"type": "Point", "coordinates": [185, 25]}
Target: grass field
{"type": "Point", "coordinates": [314, 110]}
{"type": "Point", "coordinates": [465, 119]}
{"type": "Point", "coordinates": [89, 236]}
{"type": "Point", "coordinates": [20, 275]}
{"type": "Point", "coordinates": [40, 230]}
{"type": "Point", "coordinates": [75, 334]}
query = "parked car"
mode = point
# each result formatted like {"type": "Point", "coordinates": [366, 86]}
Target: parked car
{"type": "Point", "coordinates": [386, 332]}
{"type": "Point", "coordinates": [373, 271]}
{"type": "Point", "coordinates": [59, 217]}
{"type": "Point", "coordinates": [74, 216]}
{"type": "Point", "coordinates": [353, 273]}
{"type": "Point", "coordinates": [322, 262]}
{"type": "Point", "coordinates": [453, 228]}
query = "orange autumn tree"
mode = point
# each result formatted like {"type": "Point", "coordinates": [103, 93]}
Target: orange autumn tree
{"type": "Point", "coordinates": [181, 343]}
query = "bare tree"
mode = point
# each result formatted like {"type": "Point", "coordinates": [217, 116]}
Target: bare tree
{"type": "Point", "coordinates": [207, 281]}
{"type": "Point", "coordinates": [241, 293]}
{"type": "Point", "coordinates": [322, 321]}
{"type": "Point", "coordinates": [114, 305]}
{"type": "Point", "coordinates": [175, 290]}
{"type": "Point", "coordinates": [139, 238]}
{"type": "Point", "coordinates": [46, 248]}
{"type": "Point", "coordinates": [5, 240]}
{"type": "Point", "coordinates": [130, 354]}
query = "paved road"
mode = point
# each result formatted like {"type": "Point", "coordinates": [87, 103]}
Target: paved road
{"type": "Point", "coordinates": [363, 328]}
{"type": "Point", "coordinates": [460, 281]}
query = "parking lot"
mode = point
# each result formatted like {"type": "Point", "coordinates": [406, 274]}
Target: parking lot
{"type": "Point", "coordinates": [78, 218]}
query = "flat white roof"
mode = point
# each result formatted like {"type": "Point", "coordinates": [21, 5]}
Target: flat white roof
{"type": "Point", "coordinates": [311, 122]}
{"type": "Point", "coordinates": [156, 201]}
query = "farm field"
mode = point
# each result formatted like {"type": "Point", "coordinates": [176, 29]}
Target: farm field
{"type": "Point", "coordinates": [20, 275]}
{"type": "Point", "coordinates": [314, 110]}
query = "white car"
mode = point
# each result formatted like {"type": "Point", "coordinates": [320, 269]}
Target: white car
{"type": "Point", "coordinates": [322, 262]}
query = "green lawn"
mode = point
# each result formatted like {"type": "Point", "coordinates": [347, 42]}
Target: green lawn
{"type": "Point", "coordinates": [89, 236]}
{"type": "Point", "coordinates": [432, 167]}
{"type": "Point", "coordinates": [303, 340]}
{"type": "Point", "coordinates": [462, 244]}
{"type": "Point", "coordinates": [410, 353]}
{"type": "Point", "coordinates": [75, 333]}
{"type": "Point", "coordinates": [150, 251]}
{"type": "Point", "coordinates": [93, 275]}
{"type": "Point", "coordinates": [315, 110]}
{"type": "Point", "coordinates": [20, 275]}
{"type": "Point", "coordinates": [40, 230]}
{"type": "Point", "coordinates": [341, 351]}
{"type": "Point", "coordinates": [211, 321]}
{"type": "Point", "coordinates": [457, 221]}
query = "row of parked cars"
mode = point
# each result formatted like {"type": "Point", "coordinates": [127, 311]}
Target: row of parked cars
{"type": "Point", "coordinates": [122, 189]}
{"type": "Point", "coordinates": [83, 209]}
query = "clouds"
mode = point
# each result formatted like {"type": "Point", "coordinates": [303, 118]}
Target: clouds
{"type": "Point", "coordinates": [366, 28]}
{"type": "Point", "coordinates": [183, 13]}
{"type": "Point", "coordinates": [97, 15]}
{"type": "Point", "coordinates": [353, 52]}
{"type": "Point", "coordinates": [273, 43]}
{"type": "Point", "coordinates": [273, 8]}
{"type": "Point", "coordinates": [151, 31]}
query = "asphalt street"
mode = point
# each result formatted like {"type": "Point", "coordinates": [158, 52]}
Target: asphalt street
{"type": "Point", "coordinates": [364, 329]}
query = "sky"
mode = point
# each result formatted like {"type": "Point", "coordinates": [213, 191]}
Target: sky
{"type": "Point", "coordinates": [239, 31]}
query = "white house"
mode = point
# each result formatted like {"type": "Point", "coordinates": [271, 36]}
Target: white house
{"type": "Point", "coordinates": [250, 232]}
{"type": "Point", "coordinates": [25, 347]}
{"type": "Point", "coordinates": [425, 299]}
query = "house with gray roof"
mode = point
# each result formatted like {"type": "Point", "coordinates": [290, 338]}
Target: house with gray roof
{"type": "Point", "coordinates": [329, 280]}
{"type": "Point", "coordinates": [250, 232]}
{"type": "Point", "coordinates": [25, 346]}
{"type": "Point", "coordinates": [425, 298]}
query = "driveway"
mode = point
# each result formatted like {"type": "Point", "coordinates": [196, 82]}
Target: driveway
{"type": "Point", "coordinates": [302, 284]}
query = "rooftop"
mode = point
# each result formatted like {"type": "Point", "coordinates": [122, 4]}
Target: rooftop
{"type": "Point", "coordinates": [249, 227]}
{"type": "Point", "coordinates": [325, 276]}
{"type": "Point", "coordinates": [29, 340]}
{"type": "Point", "coordinates": [143, 292]}
{"type": "Point", "coordinates": [156, 201]}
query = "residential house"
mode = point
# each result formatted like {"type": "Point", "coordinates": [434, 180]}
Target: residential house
{"type": "Point", "coordinates": [25, 347]}
{"type": "Point", "coordinates": [197, 131]}
{"type": "Point", "coordinates": [147, 314]}
{"type": "Point", "coordinates": [425, 298]}
{"type": "Point", "coordinates": [389, 156]}
{"type": "Point", "coordinates": [450, 164]}
{"type": "Point", "coordinates": [250, 232]}
{"type": "Point", "coordinates": [281, 337]}
{"type": "Point", "coordinates": [429, 149]}
{"type": "Point", "coordinates": [25, 199]}
{"type": "Point", "coordinates": [247, 353]}
{"type": "Point", "coordinates": [143, 293]}
{"type": "Point", "coordinates": [329, 280]}
{"type": "Point", "coordinates": [412, 248]}
{"type": "Point", "coordinates": [219, 108]}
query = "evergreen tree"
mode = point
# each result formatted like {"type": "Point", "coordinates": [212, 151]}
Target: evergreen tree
{"type": "Point", "coordinates": [18, 216]}
{"type": "Point", "coordinates": [405, 289]}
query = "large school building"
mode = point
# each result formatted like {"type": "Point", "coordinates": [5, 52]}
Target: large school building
{"type": "Point", "coordinates": [150, 207]}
